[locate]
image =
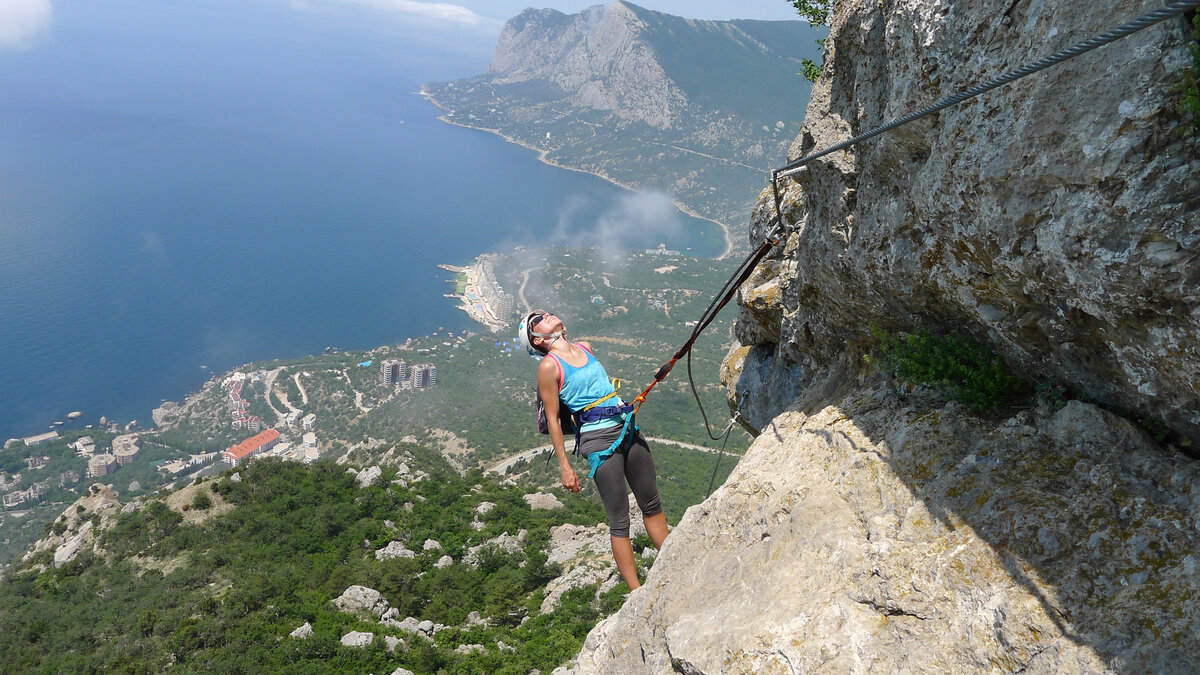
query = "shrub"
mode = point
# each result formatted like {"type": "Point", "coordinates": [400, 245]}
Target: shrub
{"type": "Point", "coordinates": [201, 501]}
{"type": "Point", "coordinates": [1188, 84]}
{"type": "Point", "coordinates": [960, 368]}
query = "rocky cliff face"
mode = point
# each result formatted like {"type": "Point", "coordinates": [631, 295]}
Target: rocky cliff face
{"type": "Point", "coordinates": [873, 528]}
{"type": "Point", "coordinates": [1057, 219]}
{"type": "Point", "coordinates": [597, 58]}
{"type": "Point", "coordinates": [78, 528]}
{"type": "Point", "coordinates": [880, 535]}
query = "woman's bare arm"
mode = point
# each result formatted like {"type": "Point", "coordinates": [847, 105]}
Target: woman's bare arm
{"type": "Point", "coordinates": [548, 388]}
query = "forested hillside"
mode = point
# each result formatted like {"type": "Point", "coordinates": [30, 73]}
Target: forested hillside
{"type": "Point", "coordinates": [218, 581]}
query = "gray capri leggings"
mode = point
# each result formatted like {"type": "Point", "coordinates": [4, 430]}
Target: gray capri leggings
{"type": "Point", "coordinates": [635, 466]}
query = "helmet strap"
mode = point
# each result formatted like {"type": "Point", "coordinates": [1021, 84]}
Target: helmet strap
{"type": "Point", "coordinates": [553, 337]}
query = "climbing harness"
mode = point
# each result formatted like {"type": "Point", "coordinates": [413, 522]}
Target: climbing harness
{"type": "Point", "coordinates": [592, 412]}
{"type": "Point", "coordinates": [777, 230]}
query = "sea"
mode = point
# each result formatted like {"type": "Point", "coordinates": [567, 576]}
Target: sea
{"type": "Point", "coordinates": [189, 186]}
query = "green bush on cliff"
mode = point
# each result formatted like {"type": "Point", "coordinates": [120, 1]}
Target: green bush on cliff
{"type": "Point", "coordinates": [1189, 83]}
{"type": "Point", "coordinates": [961, 368]}
{"type": "Point", "coordinates": [817, 13]}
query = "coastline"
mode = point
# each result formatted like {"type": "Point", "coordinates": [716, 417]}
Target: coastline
{"type": "Point", "coordinates": [726, 229]}
{"type": "Point", "coordinates": [469, 302]}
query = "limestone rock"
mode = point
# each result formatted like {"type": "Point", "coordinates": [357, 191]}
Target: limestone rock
{"type": "Point", "coordinates": [586, 556]}
{"type": "Point", "coordinates": [880, 535]}
{"type": "Point", "coordinates": [363, 601]}
{"type": "Point", "coordinates": [368, 476]}
{"type": "Point", "coordinates": [393, 643]}
{"type": "Point", "coordinates": [1061, 230]}
{"type": "Point", "coordinates": [432, 545]}
{"type": "Point", "coordinates": [542, 501]}
{"type": "Point", "coordinates": [77, 531]}
{"type": "Point", "coordinates": [303, 632]}
{"type": "Point", "coordinates": [402, 671]}
{"type": "Point", "coordinates": [70, 548]}
{"type": "Point", "coordinates": [358, 639]}
{"type": "Point", "coordinates": [165, 414]}
{"type": "Point", "coordinates": [505, 543]}
{"type": "Point", "coordinates": [469, 649]}
{"type": "Point", "coordinates": [484, 508]}
{"type": "Point", "coordinates": [394, 550]}
{"type": "Point", "coordinates": [424, 629]}
{"type": "Point", "coordinates": [444, 561]}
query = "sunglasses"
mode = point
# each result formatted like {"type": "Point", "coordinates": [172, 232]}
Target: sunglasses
{"type": "Point", "coordinates": [537, 319]}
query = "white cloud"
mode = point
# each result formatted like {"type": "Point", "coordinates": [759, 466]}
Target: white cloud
{"type": "Point", "coordinates": [22, 21]}
{"type": "Point", "coordinates": [633, 217]}
{"type": "Point", "coordinates": [432, 12]}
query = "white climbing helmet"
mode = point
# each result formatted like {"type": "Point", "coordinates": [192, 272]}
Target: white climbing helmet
{"type": "Point", "coordinates": [526, 333]}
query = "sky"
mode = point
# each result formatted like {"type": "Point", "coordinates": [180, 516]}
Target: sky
{"type": "Point", "coordinates": [470, 24]}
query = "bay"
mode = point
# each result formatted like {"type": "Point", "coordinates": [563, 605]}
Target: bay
{"type": "Point", "coordinates": [185, 187]}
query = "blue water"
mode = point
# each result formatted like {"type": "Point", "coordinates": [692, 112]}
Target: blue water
{"type": "Point", "coordinates": [202, 184]}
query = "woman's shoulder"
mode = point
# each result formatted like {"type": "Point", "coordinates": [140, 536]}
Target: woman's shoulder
{"type": "Point", "coordinates": [587, 346]}
{"type": "Point", "coordinates": [549, 362]}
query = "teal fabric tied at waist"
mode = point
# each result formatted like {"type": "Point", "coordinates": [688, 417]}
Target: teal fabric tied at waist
{"type": "Point", "coordinates": [597, 458]}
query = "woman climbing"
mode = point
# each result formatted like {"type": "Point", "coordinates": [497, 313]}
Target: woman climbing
{"type": "Point", "coordinates": [615, 449]}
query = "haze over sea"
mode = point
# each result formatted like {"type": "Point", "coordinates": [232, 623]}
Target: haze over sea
{"type": "Point", "coordinates": [203, 184]}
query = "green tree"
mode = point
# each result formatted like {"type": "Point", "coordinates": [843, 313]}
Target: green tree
{"type": "Point", "coordinates": [201, 500]}
{"type": "Point", "coordinates": [817, 13]}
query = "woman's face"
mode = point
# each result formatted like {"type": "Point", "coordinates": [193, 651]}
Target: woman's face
{"type": "Point", "coordinates": [547, 323]}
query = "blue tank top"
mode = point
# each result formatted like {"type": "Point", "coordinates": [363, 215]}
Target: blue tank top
{"type": "Point", "coordinates": [585, 384]}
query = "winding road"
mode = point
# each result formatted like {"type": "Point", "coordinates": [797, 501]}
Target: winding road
{"type": "Point", "coordinates": [503, 467]}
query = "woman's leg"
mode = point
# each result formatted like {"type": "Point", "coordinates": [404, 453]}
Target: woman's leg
{"type": "Point", "coordinates": [640, 472]}
{"type": "Point", "coordinates": [656, 527]}
{"type": "Point", "coordinates": [622, 550]}
{"type": "Point", "coordinates": [610, 481]}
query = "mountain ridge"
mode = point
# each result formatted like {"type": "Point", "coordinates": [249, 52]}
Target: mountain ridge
{"type": "Point", "coordinates": [644, 99]}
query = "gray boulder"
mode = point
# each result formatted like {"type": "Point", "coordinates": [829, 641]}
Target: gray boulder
{"type": "Point", "coordinates": [505, 543]}
{"type": "Point", "coordinates": [368, 476]}
{"type": "Point", "coordinates": [542, 501]}
{"type": "Point", "coordinates": [303, 632]}
{"type": "Point", "coordinates": [394, 550]}
{"type": "Point", "coordinates": [468, 649]}
{"type": "Point", "coordinates": [362, 601]}
{"type": "Point", "coordinates": [358, 639]}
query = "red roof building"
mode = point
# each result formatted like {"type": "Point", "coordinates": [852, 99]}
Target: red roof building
{"type": "Point", "coordinates": [251, 445]}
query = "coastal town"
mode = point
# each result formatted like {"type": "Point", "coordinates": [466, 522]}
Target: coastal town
{"type": "Point", "coordinates": [481, 296]}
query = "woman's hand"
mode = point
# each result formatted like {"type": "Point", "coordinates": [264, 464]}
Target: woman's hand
{"type": "Point", "coordinates": [570, 481]}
